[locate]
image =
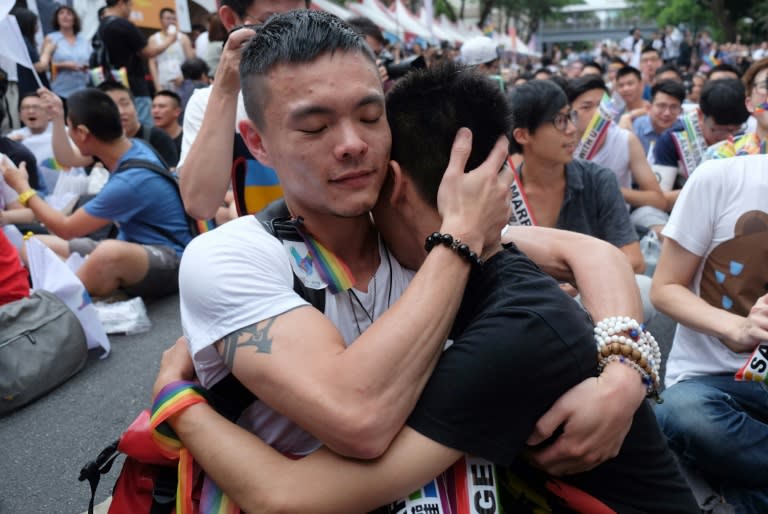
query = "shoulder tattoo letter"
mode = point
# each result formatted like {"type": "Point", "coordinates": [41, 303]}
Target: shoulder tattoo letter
{"type": "Point", "coordinates": [256, 336]}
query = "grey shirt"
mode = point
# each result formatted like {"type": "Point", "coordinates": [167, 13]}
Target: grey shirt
{"type": "Point", "coordinates": [593, 204]}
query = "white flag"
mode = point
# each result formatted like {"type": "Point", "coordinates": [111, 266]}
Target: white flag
{"type": "Point", "coordinates": [5, 8]}
{"type": "Point", "coordinates": [14, 47]}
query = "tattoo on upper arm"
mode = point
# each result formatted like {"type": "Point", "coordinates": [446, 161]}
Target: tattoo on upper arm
{"type": "Point", "coordinates": [256, 336]}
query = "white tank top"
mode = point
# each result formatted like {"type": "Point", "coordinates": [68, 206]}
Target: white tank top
{"type": "Point", "coordinates": [614, 155]}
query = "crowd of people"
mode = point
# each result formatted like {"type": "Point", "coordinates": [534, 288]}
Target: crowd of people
{"type": "Point", "coordinates": [373, 239]}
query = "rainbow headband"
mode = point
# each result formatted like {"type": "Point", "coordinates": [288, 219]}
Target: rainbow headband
{"type": "Point", "coordinates": [331, 268]}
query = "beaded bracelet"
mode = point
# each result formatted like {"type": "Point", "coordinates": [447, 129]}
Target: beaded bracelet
{"type": "Point", "coordinates": [456, 245]}
{"type": "Point", "coordinates": [624, 340]}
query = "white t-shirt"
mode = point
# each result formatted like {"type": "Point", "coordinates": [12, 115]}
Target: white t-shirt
{"type": "Point", "coordinates": [201, 45]}
{"type": "Point", "coordinates": [169, 61]}
{"type": "Point", "coordinates": [721, 216]}
{"type": "Point", "coordinates": [41, 145]}
{"type": "Point", "coordinates": [193, 118]}
{"type": "Point", "coordinates": [238, 275]}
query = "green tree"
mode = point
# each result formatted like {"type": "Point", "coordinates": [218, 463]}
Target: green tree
{"type": "Point", "coordinates": [721, 15]}
{"type": "Point", "coordinates": [528, 13]}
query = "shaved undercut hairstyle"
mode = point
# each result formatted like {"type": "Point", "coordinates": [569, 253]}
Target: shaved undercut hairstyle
{"type": "Point", "coordinates": [295, 37]}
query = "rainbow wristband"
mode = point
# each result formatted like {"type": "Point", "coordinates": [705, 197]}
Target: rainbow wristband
{"type": "Point", "coordinates": [172, 398]}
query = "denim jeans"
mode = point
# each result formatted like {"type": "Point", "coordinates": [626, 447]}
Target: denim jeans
{"type": "Point", "coordinates": [719, 427]}
{"type": "Point", "coordinates": [144, 110]}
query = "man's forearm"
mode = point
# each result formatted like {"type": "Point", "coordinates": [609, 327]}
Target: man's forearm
{"type": "Point", "coordinates": [638, 198]}
{"type": "Point", "coordinates": [260, 480]}
{"type": "Point", "coordinates": [682, 305]}
{"type": "Point", "coordinates": [599, 270]}
{"type": "Point", "coordinates": [204, 176]}
{"type": "Point", "coordinates": [54, 221]}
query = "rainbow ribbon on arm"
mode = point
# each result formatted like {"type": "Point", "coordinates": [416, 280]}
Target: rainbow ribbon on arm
{"type": "Point", "coordinates": [174, 398]}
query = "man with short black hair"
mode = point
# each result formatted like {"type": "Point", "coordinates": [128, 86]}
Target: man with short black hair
{"type": "Point", "coordinates": [722, 113]}
{"type": "Point", "coordinates": [666, 105]}
{"type": "Point", "coordinates": [667, 71]}
{"type": "Point", "coordinates": [166, 110]}
{"type": "Point", "coordinates": [143, 260]}
{"type": "Point", "coordinates": [723, 71]}
{"type": "Point", "coordinates": [619, 150]}
{"type": "Point", "coordinates": [69, 155]}
{"type": "Point", "coordinates": [629, 85]}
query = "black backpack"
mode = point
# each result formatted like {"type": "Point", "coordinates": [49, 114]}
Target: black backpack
{"type": "Point", "coordinates": [100, 54]}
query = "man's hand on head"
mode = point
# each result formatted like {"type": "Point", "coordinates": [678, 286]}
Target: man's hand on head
{"type": "Point", "coordinates": [475, 206]}
{"type": "Point", "coordinates": [227, 78]}
{"type": "Point", "coordinates": [175, 365]}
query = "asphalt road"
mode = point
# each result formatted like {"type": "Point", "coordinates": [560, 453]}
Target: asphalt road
{"type": "Point", "coordinates": [44, 445]}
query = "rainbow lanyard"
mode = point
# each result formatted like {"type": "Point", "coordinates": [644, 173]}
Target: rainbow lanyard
{"type": "Point", "coordinates": [331, 269]}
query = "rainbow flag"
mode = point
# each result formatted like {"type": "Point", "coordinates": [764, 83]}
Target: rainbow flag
{"type": "Point", "coordinates": [596, 130]}
{"type": "Point", "coordinates": [761, 108]}
{"type": "Point", "coordinates": [330, 267]}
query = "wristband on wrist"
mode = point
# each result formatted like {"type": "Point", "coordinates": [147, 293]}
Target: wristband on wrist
{"type": "Point", "coordinates": [624, 340]}
{"type": "Point", "coordinates": [24, 197]}
{"type": "Point", "coordinates": [174, 398]}
{"type": "Point", "coordinates": [462, 249]}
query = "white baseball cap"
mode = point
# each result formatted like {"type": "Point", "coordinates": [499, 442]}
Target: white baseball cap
{"type": "Point", "coordinates": [478, 50]}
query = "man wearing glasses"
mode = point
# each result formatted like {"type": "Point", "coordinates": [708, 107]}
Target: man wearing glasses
{"type": "Point", "coordinates": [560, 191]}
{"type": "Point", "coordinates": [666, 105]}
{"type": "Point", "coordinates": [721, 115]}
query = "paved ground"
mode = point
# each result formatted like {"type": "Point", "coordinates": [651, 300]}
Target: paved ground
{"type": "Point", "coordinates": [44, 445]}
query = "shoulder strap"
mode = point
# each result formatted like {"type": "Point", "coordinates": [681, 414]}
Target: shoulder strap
{"type": "Point", "coordinates": [276, 218]}
{"type": "Point", "coordinates": [162, 171]}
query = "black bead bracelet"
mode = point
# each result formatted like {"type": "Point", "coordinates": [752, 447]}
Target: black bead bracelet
{"type": "Point", "coordinates": [436, 238]}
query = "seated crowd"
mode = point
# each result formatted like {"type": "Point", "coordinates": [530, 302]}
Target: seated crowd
{"type": "Point", "coordinates": [596, 169]}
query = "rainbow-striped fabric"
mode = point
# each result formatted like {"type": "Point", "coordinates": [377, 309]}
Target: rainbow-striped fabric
{"type": "Point", "coordinates": [331, 269]}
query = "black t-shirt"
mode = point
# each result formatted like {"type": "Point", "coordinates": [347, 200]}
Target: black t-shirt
{"type": "Point", "coordinates": [124, 43]}
{"type": "Point", "coordinates": [19, 153]}
{"type": "Point", "coordinates": [177, 143]}
{"type": "Point", "coordinates": [161, 142]}
{"type": "Point", "coordinates": [519, 344]}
